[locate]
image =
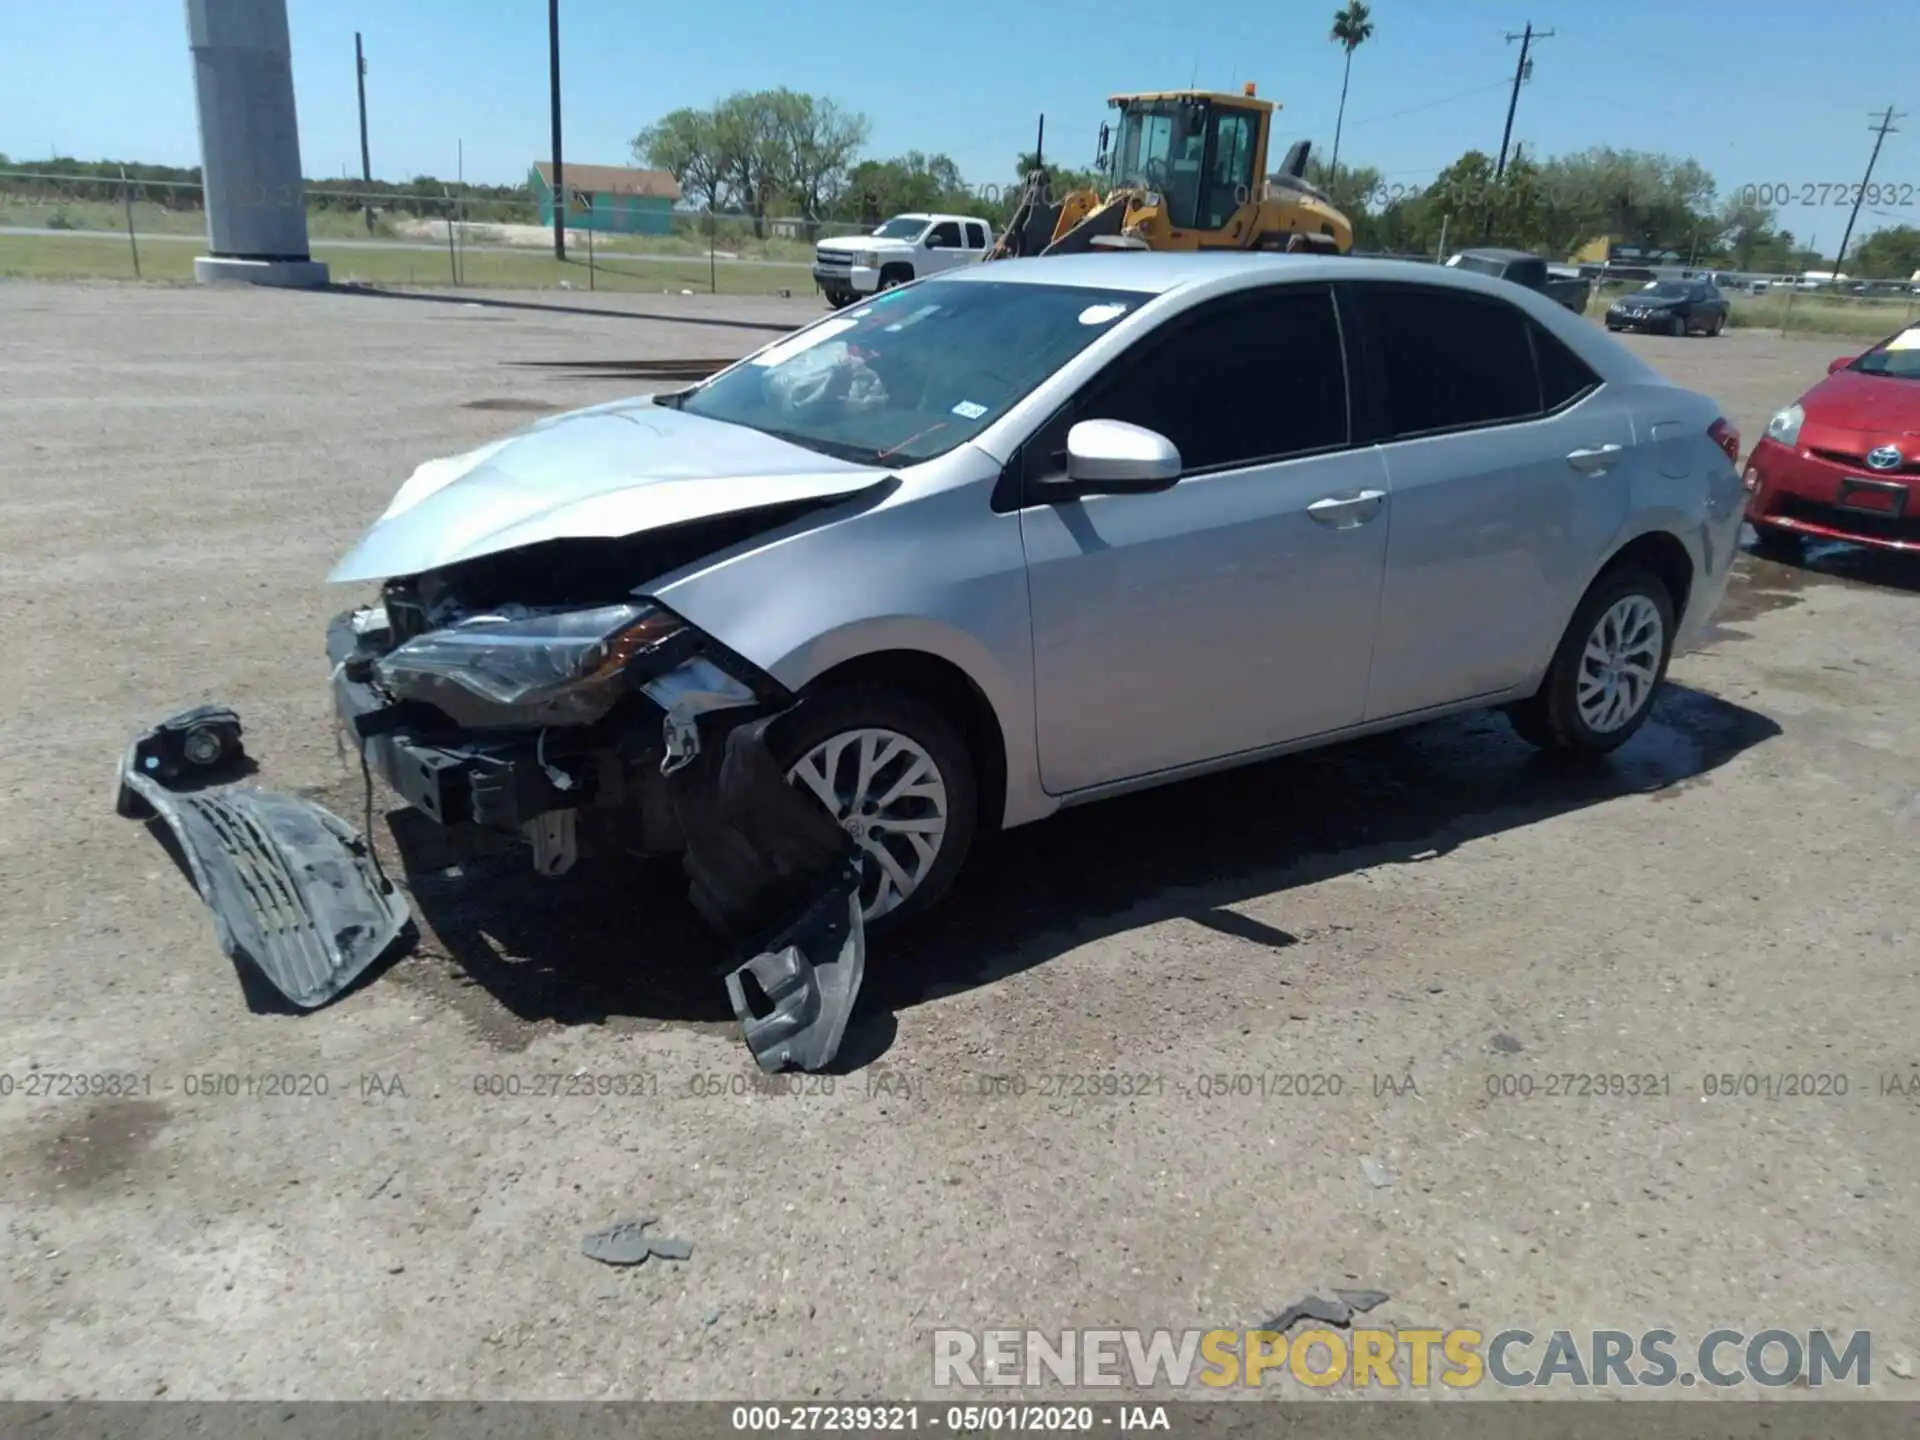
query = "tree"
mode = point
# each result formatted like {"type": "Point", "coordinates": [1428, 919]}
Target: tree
{"type": "Point", "coordinates": [685, 145]}
{"type": "Point", "coordinates": [1890, 254]}
{"type": "Point", "coordinates": [913, 181]}
{"type": "Point", "coordinates": [818, 141]}
{"type": "Point", "coordinates": [756, 149]}
{"type": "Point", "coordinates": [1352, 28]}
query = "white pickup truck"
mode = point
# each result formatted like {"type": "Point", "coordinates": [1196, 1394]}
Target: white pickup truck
{"type": "Point", "coordinates": [904, 248]}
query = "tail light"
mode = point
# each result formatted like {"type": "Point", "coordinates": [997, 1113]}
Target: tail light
{"type": "Point", "coordinates": [1726, 437]}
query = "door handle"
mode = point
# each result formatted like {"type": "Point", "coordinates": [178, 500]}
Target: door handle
{"type": "Point", "coordinates": [1595, 459]}
{"type": "Point", "coordinates": [1343, 512]}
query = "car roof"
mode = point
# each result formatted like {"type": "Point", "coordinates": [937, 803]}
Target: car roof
{"type": "Point", "coordinates": [1148, 272]}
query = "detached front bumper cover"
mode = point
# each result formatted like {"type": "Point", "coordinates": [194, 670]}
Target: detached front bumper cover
{"type": "Point", "coordinates": [772, 871]}
{"type": "Point", "coordinates": [295, 892]}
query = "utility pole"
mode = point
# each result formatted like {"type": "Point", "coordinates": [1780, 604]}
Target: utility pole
{"type": "Point", "coordinates": [553, 85]}
{"type": "Point", "coordinates": [1884, 128]}
{"type": "Point", "coordinates": [1520, 70]}
{"type": "Point", "coordinates": [366, 162]}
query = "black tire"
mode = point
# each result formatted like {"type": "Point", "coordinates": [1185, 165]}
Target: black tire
{"type": "Point", "coordinates": [1719, 325]}
{"type": "Point", "coordinates": [1550, 718]}
{"type": "Point", "coordinates": [838, 709]}
{"type": "Point", "coordinates": [894, 275]}
{"type": "Point", "coordinates": [839, 299]}
{"type": "Point", "coordinates": [1678, 325]}
{"type": "Point", "coordinates": [1786, 546]}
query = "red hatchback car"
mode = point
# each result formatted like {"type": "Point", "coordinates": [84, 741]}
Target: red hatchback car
{"type": "Point", "coordinates": [1843, 463]}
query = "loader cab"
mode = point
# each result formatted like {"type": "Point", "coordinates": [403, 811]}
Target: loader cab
{"type": "Point", "coordinates": [1201, 153]}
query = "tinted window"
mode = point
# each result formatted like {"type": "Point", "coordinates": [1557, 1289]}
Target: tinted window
{"type": "Point", "coordinates": [1450, 360]}
{"type": "Point", "coordinates": [946, 235]}
{"type": "Point", "coordinates": [1564, 376]}
{"type": "Point", "coordinates": [1256, 378]}
{"type": "Point", "coordinates": [976, 235]}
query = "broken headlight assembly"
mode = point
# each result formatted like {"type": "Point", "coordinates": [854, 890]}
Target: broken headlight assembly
{"type": "Point", "coordinates": [548, 667]}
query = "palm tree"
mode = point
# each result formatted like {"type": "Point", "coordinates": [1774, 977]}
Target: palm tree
{"type": "Point", "coordinates": [1352, 28]}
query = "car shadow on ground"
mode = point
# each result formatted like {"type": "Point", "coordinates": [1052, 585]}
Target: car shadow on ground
{"type": "Point", "coordinates": [1859, 565]}
{"type": "Point", "coordinates": [619, 940]}
{"type": "Point", "coordinates": [374, 292]}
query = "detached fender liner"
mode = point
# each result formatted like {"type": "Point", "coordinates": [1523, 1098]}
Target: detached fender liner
{"type": "Point", "coordinates": [295, 891]}
{"type": "Point", "coordinates": [773, 872]}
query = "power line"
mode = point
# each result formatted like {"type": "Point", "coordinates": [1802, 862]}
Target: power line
{"type": "Point", "coordinates": [1429, 105]}
{"type": "Point", "coordinates": [1884, 128]}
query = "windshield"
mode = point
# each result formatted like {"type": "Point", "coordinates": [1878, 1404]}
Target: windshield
{"type": "Point", "coordinates": [1898, 358]}
{"type": "Point", "coordinates": [1665, 290]}
{"type": "Point", "coordinates": [913, 373]}
{"type": "Point", "coordinates": [901, 227]}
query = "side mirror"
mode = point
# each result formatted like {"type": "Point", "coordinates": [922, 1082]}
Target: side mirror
{"type": "Point", "coordinates": [1111, 457]}
{"type": "Point", "coordinates": [1840, 363]}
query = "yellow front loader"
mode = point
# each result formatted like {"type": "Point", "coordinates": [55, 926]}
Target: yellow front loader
{"type": "Point", "coordinates": [1186, 170]}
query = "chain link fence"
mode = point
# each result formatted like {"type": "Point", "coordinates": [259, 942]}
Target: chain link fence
{"type": "Point", "coordinates": [429, 233]}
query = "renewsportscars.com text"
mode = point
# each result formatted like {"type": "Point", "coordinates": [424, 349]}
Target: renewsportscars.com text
{"type": "Point", "coordinates": [1365, 1358]}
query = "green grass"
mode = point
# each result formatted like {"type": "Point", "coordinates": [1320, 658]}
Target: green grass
{"type": "Point", "coordinates": [151, 218]}
{"type": "Point", "coordinates": [54, 256]}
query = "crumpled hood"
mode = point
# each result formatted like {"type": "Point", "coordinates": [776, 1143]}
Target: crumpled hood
{"type": "Point", "coordinates": [605, 472]}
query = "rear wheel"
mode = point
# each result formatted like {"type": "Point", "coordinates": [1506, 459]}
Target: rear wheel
{"type": "Point", "coordinates": [899, 779]}
{"type": "Point", "coordinates": [1719, 324]}
{"type": "Point", "coordinates": [1600, 687]}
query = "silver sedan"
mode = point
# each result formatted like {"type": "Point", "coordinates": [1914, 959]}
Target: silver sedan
{"type": "Point", "coordinates": [1033, 534]}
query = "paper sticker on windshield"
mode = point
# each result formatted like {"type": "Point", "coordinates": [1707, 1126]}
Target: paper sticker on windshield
{"type": "Point", "coordinates": [806, 340]}
{"type": "Point", "coordinates": [1101, 314]}
{"type": "Point", "coordinates": [1906, 340]}
{"type": "Point", "coordinates": [969, 410]}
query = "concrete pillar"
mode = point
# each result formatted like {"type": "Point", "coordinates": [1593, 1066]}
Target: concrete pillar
{"type": "Point", "coordinates": [249, 145]}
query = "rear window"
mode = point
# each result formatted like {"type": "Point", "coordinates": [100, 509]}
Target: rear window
{"type": "Point", "coordinates": [914, 372]}
{"type": "Point", "coordinates": [1450, 360]}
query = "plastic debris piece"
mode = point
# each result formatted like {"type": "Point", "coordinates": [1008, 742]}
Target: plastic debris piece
{"type": "Point", "coordinates": [624, 1243]}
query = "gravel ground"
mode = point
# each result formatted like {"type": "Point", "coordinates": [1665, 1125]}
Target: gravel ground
{"type": "Point", "coordinates": [181, 467]}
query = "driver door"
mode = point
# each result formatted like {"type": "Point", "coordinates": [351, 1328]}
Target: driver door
{"type": "Point", "coordinates": [1237, 609]}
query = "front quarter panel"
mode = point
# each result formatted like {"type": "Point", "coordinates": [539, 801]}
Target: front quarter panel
{"type": "Point", "coordinates": [932, 569]}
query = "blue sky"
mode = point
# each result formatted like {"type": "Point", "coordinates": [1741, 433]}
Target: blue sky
{"type": "Point", "coordinates": [1759, 91]}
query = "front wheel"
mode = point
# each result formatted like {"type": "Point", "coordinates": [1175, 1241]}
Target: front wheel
{"type": "Point", "coordinates": [1677, 325]}
{"type": "Point", "coordinates": [1599, 689]}
{"type": "Point", "coordinates": [898, 777]}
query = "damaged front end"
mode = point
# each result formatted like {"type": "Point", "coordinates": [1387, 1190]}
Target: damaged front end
{"type": "Point", "coordinates": [581, 725]}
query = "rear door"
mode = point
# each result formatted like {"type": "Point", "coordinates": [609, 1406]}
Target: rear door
{"type": "Point", "coordinates": [1506, 458]}
{"type": "Point", "coordinates": [1236, 609]}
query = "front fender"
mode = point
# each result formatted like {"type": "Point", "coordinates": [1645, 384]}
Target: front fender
{"type": "Point", "coordinates": [932, 570]}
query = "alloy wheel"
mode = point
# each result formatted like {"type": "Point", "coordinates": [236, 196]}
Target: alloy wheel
{"type": "Point", "coordinates": [888, 794]}
{"type": "Point", "coordinates": [1620, 664]}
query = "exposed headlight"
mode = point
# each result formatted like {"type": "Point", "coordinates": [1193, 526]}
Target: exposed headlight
{"type": "Point", "coordinates": [1785, 425]}
{"type": "Point", "coordinates": [868, 259]}
{"type": "Point", "coordinates": [555, 667]}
